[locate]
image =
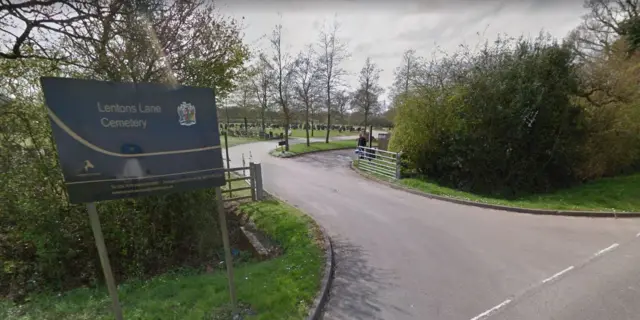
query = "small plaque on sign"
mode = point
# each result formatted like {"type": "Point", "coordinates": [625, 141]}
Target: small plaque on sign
{"type": "Point", "coordinates": [282, 143]}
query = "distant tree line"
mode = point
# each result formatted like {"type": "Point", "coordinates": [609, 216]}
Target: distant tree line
{"type": "Point", "coordinates": [306, 88]}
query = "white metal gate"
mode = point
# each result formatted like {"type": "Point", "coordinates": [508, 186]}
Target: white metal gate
{"type": "Point", "coordinates": [379, 162]}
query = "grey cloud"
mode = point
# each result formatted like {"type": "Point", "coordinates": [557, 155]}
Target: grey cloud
{"type": "Point", "coordinates": [451, 26]}
{"type": "Point", "coordinates": [396, 5]}
{"type": "Point", "coordinates": [363, 47]}
{"type": "Point", "coordinates": [386, 55]}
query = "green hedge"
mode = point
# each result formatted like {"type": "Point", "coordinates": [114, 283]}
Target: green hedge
{"type": "Point", "coordinates": [503, 123]}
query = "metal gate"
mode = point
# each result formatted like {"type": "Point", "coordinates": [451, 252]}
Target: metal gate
{"type": "Point", "coordinates": [379, 162]}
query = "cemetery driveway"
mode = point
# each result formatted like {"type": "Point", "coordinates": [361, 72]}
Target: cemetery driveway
{"type": "Point", "coordinates": [402, 256]}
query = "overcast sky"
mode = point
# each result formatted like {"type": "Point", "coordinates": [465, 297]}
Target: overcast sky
{"type": "Point", "coordinates": [383, 30]}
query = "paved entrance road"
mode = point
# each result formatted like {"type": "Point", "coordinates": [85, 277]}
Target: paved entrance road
{"type": "Point", "coordinates": [402, 256]}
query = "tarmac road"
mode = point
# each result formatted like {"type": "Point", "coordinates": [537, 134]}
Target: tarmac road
{"type": "Point", "coordinates": [402, 256]}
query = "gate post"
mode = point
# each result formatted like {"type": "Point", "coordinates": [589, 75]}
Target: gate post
{"type": "Point", "coordinates": [398, 165]}
{"type": "Point", "coordinates": [252, 180]}
{"type": "Point", "coordinates": [258, 181]}
{"type": "Point", "coordinates": [244, 164]}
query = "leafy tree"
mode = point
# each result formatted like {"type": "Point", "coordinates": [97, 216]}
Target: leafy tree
{"type": "Point", "coordinates": [610, 102]}
{"type": "Point", "coordinates": [631, 33]}
{"type": "Point", "coordinates": [161, 41]}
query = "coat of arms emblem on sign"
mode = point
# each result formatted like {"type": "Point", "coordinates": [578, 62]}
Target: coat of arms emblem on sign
{"type": "Point", "coordinates": [187, 114]}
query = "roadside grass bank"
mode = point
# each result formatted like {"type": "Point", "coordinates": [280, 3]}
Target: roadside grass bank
{"type": "Point", "coordinates": [615, 194]}
{"type": "Point", "coordinates": [280, 288]}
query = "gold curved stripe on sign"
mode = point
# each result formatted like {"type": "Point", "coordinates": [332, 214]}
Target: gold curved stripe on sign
{"type": "Point", "coordinates": [92, 146]}
{"type": "Point", "coordinates": [147, 177]}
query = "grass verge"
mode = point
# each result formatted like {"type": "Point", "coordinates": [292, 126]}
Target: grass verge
{"type": "Point", "coordinates": [234, 141]}
{"type": "Point", "coordinates": [280, 288]}
{"type": "Point", "coordinates": [616, 194]}
{"type": "Point", "coordinates": [301, 133]}
{"type": "Point", "coordinates": [302, 148]}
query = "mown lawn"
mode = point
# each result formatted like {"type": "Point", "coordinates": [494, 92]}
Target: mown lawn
{"type": "Point", "coordinates": [319, 146]}
{"type": "Point", "coordinates": [234, 141]}
{"type": "Point", "coordinates": [298, 133]}
{"type": "Point", "coordinates": [301, 148]}
{"type": "Point", "coordinates": [281, 288]}
{"type": "Point", "coordinates": [301, 133]}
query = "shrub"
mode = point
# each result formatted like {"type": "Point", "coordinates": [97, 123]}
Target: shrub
{"type": "Point", "coordinates": [501, 122]}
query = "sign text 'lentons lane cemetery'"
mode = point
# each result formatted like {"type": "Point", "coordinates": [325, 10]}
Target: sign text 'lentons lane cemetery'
{"type": "Point", "coordinates": [119, 140]}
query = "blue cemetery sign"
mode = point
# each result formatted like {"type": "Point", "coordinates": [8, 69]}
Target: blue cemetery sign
{"type": "Point", "coordinates": [121, 140]}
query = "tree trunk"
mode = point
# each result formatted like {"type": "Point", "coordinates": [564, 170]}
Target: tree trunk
{"type": "Point", "coordinates": [286, 133]}
{"type": "Point", "coordinates": [307, 122]}
{"type": "Point", "coordinates": [246, 127]}
{"type": "Point", "coordinates": [366, 119]}
{"type": "Point", "coordinates": [264, 129]}
{"type": "Point", "coordinates": [262, 111]}
{"type": "Point", "coordinates": [328, 114]}
{"type": "Point", "coordinates": [328, 126]}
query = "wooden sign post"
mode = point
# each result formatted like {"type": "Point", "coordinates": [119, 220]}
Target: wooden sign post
{"type": "Point", "coordinates": [104, 259]}
{"type": "Point", "coordinates": [227, 248]}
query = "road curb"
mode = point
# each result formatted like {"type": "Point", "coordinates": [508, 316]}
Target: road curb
{"type": "Point", "coordinates": [321, 299]}
{"type": "Point", "coordinates": [567, 213]}
{"type": "Point", "coordinates": [310, 152]}
{"type": "Point", "coordinates": [315, 311]}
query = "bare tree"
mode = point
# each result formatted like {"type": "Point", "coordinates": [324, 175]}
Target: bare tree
{"type": "Point", "coordinates": [243, 96]}
{"type": "Point", "coordinates": [405, 75]}
{"type": "Point", "coordinates": [30, 29]}
{"type": "Point", "coordinates": [306, 81]}
{"type": "Point", "coordinates": [342, 106]}
{"type": "Point", "coordinates": [261, 80]}
{"type": "Point", "coordinates": [366, 97]}
{"type": "Point", "coordinates": [606, 21]}
{"type": "Point", "coordinates": [283, 66]}
{"type": "Point", "coordinates": [595, 42]}
{"type": "Point", "coordinates": [332, 53]}
{"type": "Point", "coordinates": [317, 101]}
